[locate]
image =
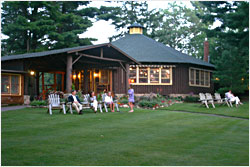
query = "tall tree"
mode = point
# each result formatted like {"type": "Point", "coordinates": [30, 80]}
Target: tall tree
{"type": "Point", "coordinates": [230, 53]}
{"type": "Point", "coordinates": [129, 13]}
{"type": "Point", "coordinates": [181, 29]}
{"type": "Point", "coordinates": [42, 25]}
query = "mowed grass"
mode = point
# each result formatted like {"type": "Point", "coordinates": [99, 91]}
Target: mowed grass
{"type": "Point", "coordinates": [242, 111]}
{"type": "Point", "coordinates": [146, 137]}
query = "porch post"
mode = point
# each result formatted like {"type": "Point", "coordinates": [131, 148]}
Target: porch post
{"type": "Point", "coordinates": [127, 77]}
{"type": "Point", "coordinates": [85, 78]}
{"type": "Point", "coordinates": [68, 74]}
{"type": "Point", "coordinates": [37, 83]}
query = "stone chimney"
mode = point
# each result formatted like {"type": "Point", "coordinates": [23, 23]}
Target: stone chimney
{"type": "Point", "coordinates": [206, 51]}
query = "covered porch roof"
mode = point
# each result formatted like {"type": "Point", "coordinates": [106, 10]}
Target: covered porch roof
{"type": "Point", "coordinates": [91, 56]}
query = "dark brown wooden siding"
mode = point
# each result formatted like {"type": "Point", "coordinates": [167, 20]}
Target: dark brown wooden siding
{"type": "Point", "coordinates": [14, 99]}
{"type": "Point", "coordinates": [180, 83]}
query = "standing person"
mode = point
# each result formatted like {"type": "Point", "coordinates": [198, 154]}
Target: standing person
{"type": "Point", "coordinates": [93, 101]}
{"type": "Point", "coordinates": [110, 102]}
{"type": "Point", "coordinates": [76, 103]}
{"type": "Point", "coordinates": [233, 98]}
{"type": "Point", "coordinates": [131, 98]}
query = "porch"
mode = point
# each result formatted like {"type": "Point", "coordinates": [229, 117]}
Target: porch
{"type": "Point", "coordinates": [86, 68]}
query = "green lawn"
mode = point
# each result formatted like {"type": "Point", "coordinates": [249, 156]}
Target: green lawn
{"type": "Point", "coordinates": [146, 137]}
{"type": "Point", "coordinates": [242, 111]}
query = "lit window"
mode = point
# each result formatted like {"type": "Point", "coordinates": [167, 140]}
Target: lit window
{"type": "Point", "coordinates": [143, 75]}
{"type": "Point", "coordinates": [11, 84]}
{"type": "Point", "coordinates": [132, 74]}
{"type": "Point", "coordinates": [165, 75]}
{"type": "Point", "coordinates": [154, 75]}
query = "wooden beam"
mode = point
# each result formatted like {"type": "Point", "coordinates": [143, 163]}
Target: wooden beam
{"type": "Point", "coordinates": [127, 78]}
{"type": "Point", "coordinates": [68, 74]}
{"type": "Point", "coordinates": [100, 58]}
{"type": "Point", "coordinates": [76, 59]}
{"type": "Point", "coordinates": [101, 52]}
{"type": "Point", "coordinates": [123, 67]}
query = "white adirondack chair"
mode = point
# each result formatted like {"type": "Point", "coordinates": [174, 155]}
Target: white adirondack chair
{"type": "Point", "coordinates": [210, 99]}
{"type": "Point", "coordinates": [203, 99]}
{"type": "Point", "coordinates": [219, 100]}
{"type": "Point", "coordinates": [54, 103]}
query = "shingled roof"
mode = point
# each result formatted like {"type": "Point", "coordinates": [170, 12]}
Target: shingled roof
{"type": "Point", "coordinates": [145, 49]}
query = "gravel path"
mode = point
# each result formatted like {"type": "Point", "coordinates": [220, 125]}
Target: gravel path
{"type": "Point", "coordinates": [216, 115]}
{"type": "Point", "coordinates": [13, 107]}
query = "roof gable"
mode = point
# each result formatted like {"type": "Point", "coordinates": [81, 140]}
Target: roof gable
{"type": "Point", "coordinates": [145, 49]}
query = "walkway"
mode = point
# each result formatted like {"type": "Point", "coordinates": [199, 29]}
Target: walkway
{"type": "Point", "coordinates": [210, 114]}
{"type": "Point", "coordinates": [13, 107]}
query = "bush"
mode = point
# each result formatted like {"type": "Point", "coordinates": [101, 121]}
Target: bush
{"type": "Point", "coordinates": [38, 103]}
{"type": "Point", "coordinates": [123, 101]}
{"type": "Point", "coordinates": [191, 99]}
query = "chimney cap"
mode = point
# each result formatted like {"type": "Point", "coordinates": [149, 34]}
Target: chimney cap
{"type": "Point", "coordinates": [135, 25]}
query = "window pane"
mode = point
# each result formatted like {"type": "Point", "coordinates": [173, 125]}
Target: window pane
{"type": "Point", "coordinates": [202, 78]}
{"type": "Point", "coordinates": [206, 78]}
{"type": "Point", "coordinates": [192, 76]}
{"type": "Point", "coordinates": [143, 75]}
{"type": "Point", "coordinates": [104, 78]}
{"type": "Point", "coordinates": [5, 84]}
{"type": "Point", "coordinates": [154, 75]}
{"type": "Point", "coordinates": [165, 75]}
{"type": "Point", "coordinates": [132, 74]}
{"type": "Point", "coordinates": [15, 84]}
{"type": "Point", "coordinates": [197, 77]}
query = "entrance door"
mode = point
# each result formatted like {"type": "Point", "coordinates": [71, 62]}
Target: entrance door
{"type": "Point", "coordinates": [101, 80]}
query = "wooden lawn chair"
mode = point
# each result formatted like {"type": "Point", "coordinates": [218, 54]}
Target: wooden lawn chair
{"type": "Point", "coordinates": [219, 100]}
{"type": "Point", "coordinates": [105, 104]}
{"type": "Point", "coordinates": [203, 99]}
{"type": "Point", "coordinates": [54, 103]}
{"type": "Point", "coordinates": [209, 99]}
{"type": "Point", "coordinates": [85, 103]}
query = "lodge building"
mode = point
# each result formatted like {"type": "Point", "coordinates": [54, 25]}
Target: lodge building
{"type": "Point", "coordinates": [135, 59]}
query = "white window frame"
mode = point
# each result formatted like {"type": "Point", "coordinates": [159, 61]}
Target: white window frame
{"type": "Point", "coordinates": [199, 85]}
{"type": "Point", "coordinates": [148, 83]}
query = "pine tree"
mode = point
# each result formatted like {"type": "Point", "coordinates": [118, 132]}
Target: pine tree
{"type": "Point", "coordinates": [230, 53]}
{"type": "Point", "coordinates": [42, 25]}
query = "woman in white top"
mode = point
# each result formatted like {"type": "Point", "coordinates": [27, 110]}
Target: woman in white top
{"type": "Point", "coordinates": [109, 101]}
{"type": "Point", "coordinates": [233, 98]}
{"type": "Point", "coordinates": [93, 101]}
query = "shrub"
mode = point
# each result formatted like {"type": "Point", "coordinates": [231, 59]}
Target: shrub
{"type": "Point", "coordinates": [123, 101]}
{"type": "Point", "coordinates": [38, 103]}
{"type": "Point", "coordinates": [191, 99]}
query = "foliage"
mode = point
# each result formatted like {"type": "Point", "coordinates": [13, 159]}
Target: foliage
{"type": "Point", "coordinates": [191, 99]}
{"type": "Point", "coordinates": [123, 101]}
{"type": "Point", "coordinates": [230, 43]}
{"type": "Point", "coordinates": [145, 137]}
{"type": "Point", "coordinates": [129, 13]}
{"type": "Point", "coordinates": [33, 26]}
{"type": "Point", "coordinates": [39, 103]}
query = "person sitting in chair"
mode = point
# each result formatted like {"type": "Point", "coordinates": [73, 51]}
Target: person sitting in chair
{"type": "Point", "coordinates": [93, 101]}
{"type": "Point", "coordinates": [110, 102]}
{"type": "Point", "coordinates": [233, 98]}
{"type": "Point", "coordinates": [76, 103]}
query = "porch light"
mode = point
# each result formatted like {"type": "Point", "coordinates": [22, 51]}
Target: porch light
{"type": "Point", "coordinates": [79, 75]}
{"type": "Point", "coordinates": [74, 75]}
{"type": "Point", "coordinates": [217, 79]}
{"type": "Point", "coordinates": [96, 75]}
{"type": "Point", "coordinates": [32, 72]}
{"type": "Point", "coordinates": [132, 81]}
{"type": "Point", "coordinates": [130, 69]}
